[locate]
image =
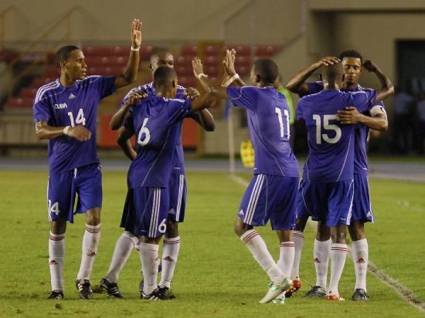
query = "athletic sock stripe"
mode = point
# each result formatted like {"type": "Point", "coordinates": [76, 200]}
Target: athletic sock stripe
{"type": "Point", "coordinates": [247, 239]}
{"type": "Point", "coordinates": [298, 234]}
{"type": "Point", "coordinates": [56, 237]}
{"type": "Point", "coordinates": [251, 211]}
{"type": "Point", "coordinates": [287, 244]}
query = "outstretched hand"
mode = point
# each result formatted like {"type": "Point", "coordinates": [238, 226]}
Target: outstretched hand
{"type": "Point", "coordinates": [327, 61]}
{"type": "Point", "coordinates": [136, 34]}
{"type": "Point", "coordinates": [229, 62]}
{"type": "Point", "coordinates": [197, 67]}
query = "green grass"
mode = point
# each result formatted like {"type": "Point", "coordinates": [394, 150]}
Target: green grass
{"type": "Point", "coordinates": [215, 276]}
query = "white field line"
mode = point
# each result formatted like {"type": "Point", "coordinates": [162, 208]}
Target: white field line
{"type": "Point", "coordinates": [405, 293]}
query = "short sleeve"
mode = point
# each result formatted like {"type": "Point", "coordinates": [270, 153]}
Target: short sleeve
{"type": "Point", "coordinates": [143, 88]}
{"type": "Point", "coordinates": [179, 109]}
{"type": "Point", "coordinates": [361, 100]}
{"type": "Point", "coordinates": [105, 85]}
{"type": "Point", "coordinates": [42, 110]}
{"type": "Point", "coordinates": [243, 96]}
{"type": "Point", "coordinates": [313, 88]}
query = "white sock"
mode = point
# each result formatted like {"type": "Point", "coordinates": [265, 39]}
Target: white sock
{"type": "Point", "coordinates": [258, 249]}
{"type": "Point", "coordinates": [122, 251]}
{"type": "Point", "coordinates": [338, 255]}
{"type": "Point", "coordinates": [89, 249]}
{"type": "Point", "coordinates": [298, 239]}
{"type": "Point", "coordinates": [170, 253]}
{"type": "Point", "coordinates": [360, 254]}
{"type": "Point", "coordinates": [150, 261]}
{"type": "Point", "coordinates": [56, 254]}
{"type": "Point", "coordinates": [321, 260]}
{"type": "Point", "coordinates": [286, 258]}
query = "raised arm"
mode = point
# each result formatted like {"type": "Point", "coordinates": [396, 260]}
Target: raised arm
{"type": "Point", "coordinates": [118, 118]}
{"type": "Point", "coordinates": [387, 87]}
{"type": "Point", "coordinates": [44, 131]}
{"type": "Point", "coordinates": [130, 73]}
{"type": "Point", "coordinates": [297, 84]}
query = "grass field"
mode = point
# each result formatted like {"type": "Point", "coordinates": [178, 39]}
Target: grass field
{"type": "Point", "coordinates": [215, 276]}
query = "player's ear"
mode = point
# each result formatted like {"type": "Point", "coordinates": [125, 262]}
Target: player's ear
{"type": "Point", "coordinates": [174, 83]}
{"type": "Point", "coordinates": [343, 77]}
{"type": "Point", "coordinates": [257, 78]}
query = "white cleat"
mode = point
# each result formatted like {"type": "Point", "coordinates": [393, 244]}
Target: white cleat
{"type": "Point", "coordinates": [280, 299]}
{"type": "Point", "coordinates": [275, 290]}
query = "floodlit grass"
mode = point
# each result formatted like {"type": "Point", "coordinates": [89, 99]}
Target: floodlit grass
{"type": "Point", "coordinates": [215, 276]}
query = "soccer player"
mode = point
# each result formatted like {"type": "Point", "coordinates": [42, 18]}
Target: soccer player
{"type": "Point", "coordinates": [328, 187]}
{"type": "Point", "coordinates": [271, 194]}
{"type": "Point", "coordinates": [65, 113]}
{"type": "Point", "coordinates": [156, 123]}
{"type": "Point", "coordinates": [171, 244]}
{"type": "Point", "coordinates": [374, 118]}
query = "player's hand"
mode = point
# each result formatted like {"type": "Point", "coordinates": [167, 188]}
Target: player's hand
{"type": "Point", "coordinates": [370, 66]}
{"type": "Point", "coordinates": [135, 98]}
{"type": "Point", "coordinates": [136, 34]}
{"type": "Point", "coordinates": [326, 61]}
{"type": "Point", "coordinates": [350, 115]}
{"type": "Point", "coordinates": [80, 133]}
{"type": "Point", "coordinates": [229, 62]}
{"type": "Point", "coordinates": [197, 67]}
{"type": "Point", "coordinates": [192, 93]}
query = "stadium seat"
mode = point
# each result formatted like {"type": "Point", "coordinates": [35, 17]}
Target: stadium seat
{"type": "Point", "coordinates": [189, 50]}
{"type": "Point", "coordinates": [20, 102]}
{"type": "Point", "coordinates": [241, 49]}
{"type": "Point", "coordinates": [28, 92]}
{"type": "Point", "coordinates": [266, 50]}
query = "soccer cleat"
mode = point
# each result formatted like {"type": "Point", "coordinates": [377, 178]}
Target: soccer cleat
{"type": "Point", "coordinates": [58, 295]}
{"type": "Point", "coordinates": [275, 290]}
{"type": "Point", "coordinates": [296, 285]}
{"type": "Point", "coordinates": [152, 296]}
{"type": "Point", "coordinates": [280, 299]}
{"type": "Point", "coordinates": [84, 288]}
{"type": "Point", "coordinates": [360, 295]}
{"type": "Point", "coordinates": [316, 291]}
{"type": "Point", "coordinates": [165, 293]}
{"type": "Point", "coordinates": [334, 297]}
{"type": "Point", "coordinates": [110, 288]}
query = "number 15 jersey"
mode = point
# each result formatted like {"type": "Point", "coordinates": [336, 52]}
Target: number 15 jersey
{"type": "Point", "coordinates": [331, 144]}
{"type": "Point", "coordinates": [268, 121]}
{"type": "Point", "coordinates": [75, 105]}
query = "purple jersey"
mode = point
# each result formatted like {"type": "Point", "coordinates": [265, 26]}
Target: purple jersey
{"type": "Point", "coordinates": [180, 94]}
{"type": "Point", "coordinates": [156, 123]}
{"type": "Point", "coordinates": [72, 106]}
{"type": "Point", "coordinates": [331, 145]}
{"type": "Point", "coordinates": [362, 131]}
{"type": "Point", "coordinates": [268, 121]}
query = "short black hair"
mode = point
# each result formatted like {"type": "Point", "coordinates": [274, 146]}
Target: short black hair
{"type": "Point", "coordinates": [63, 53]}
{"type": "Point", "coordinates": [156, 52]}
{"type": "Point", "coordinates": [164, 76]}
{"type": "Point", "coordinates": [267, 69]}
{"type": "Point", "coordinates": [351, 53]}
{"type": "Point", "coordinates": [333, 72]}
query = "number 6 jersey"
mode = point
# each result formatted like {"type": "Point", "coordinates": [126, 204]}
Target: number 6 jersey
{"type": "Point", "coordinates": [268, 121]}
{"type": "Point", "coordinates": [75, 105]}
{"type": "Point", "coordinates": [331, 144]}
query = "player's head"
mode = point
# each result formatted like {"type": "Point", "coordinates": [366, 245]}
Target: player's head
{"type": "Point", "coordinates": [333, 75]}
{"type": "Point", "coordinates": [165, 81]}
{"type": "Point", "coordinates": [264, 72]}
{"type": "Point", "coordinates": [161, 57]}
{"type": "Point", "coordinates": [71, 60]}
{"type": "Point", "coordinates": [352, 62]}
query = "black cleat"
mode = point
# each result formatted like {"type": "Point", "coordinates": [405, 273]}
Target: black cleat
{"type": "Point", "coordinates": [84, 288]}
{"type": "Point", "coordinates": [360, 295]}
{"type": "Point", "coordinates": [316, 291]}
{"type": "Point", "coordinates": [110, 288]}
{"type": "Point", "coordinates": [152, 296]}
{"type": "Point", "coordinates": [165, 293]}
{"type": "Point", "coordinates": [58, 295]}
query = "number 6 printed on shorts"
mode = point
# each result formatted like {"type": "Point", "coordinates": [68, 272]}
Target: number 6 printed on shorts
{"type": "Point", "coordinates": [162, 227]}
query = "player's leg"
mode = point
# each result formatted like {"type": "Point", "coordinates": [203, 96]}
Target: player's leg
{"type": "Point", "coordinates": [59, 194]}
{"type": "Point", "coordinates": [171, 244]}
{"type": "Point", "coordinates": [88, 183]}
{"type": "Point", "coordinates": [152, 205]}
{"type": "Point", "coordinates": [252, 213]}
{"type": "Point", "coordinates": [362, 212]}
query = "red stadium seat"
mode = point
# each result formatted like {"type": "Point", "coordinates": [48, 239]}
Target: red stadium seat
{"type": "Point", "coordinates": [185, 61]}
{"type": "Point", "coordinates": [241, 49]}
{"type": "Point", "coordinates": [266, 50]}
{"type": "Point", "coordinates": [243, 70]}
{"type": "Point", "coordinates": [187, 81]}
{"type": "Point", "coordinates": [213, 50]}
{"type": "Point", "coordinates": [20, 102]}
{"type": "Point", "coordinates": [183, 70]}
{"type": "Point", "coordinates": [189, 50]}
{"type": "Point", "coordinates": [38, 82]}
{"type": "Point", "coordinates": [211, 60]}
{"type": "Point", "coordinates": [28, 92]}
{"type": "Point", "coordinates": [212, 71]}
{"type": "Point", "coordinates": [51, 71]}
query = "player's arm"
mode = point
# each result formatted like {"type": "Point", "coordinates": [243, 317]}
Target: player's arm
{"type": "Point", "coordinates": [230, 77]}
{"type": "Point", "coordinates": [44, 131]}
{"type": "Point", "coordinates": [125, 143]}
{"type": "Point", "coordinates": [132, 99]}
{"type": "Point", "coordinates": [203, 117]}
{"type": "Point", "coordinates": [297, 84]}
{"type": "Point", "coordinates": [377, 121]}
{"type": "Point", "coordinates": [130, 73]}
{"type": "Point", "coordinates": [387, 87]}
